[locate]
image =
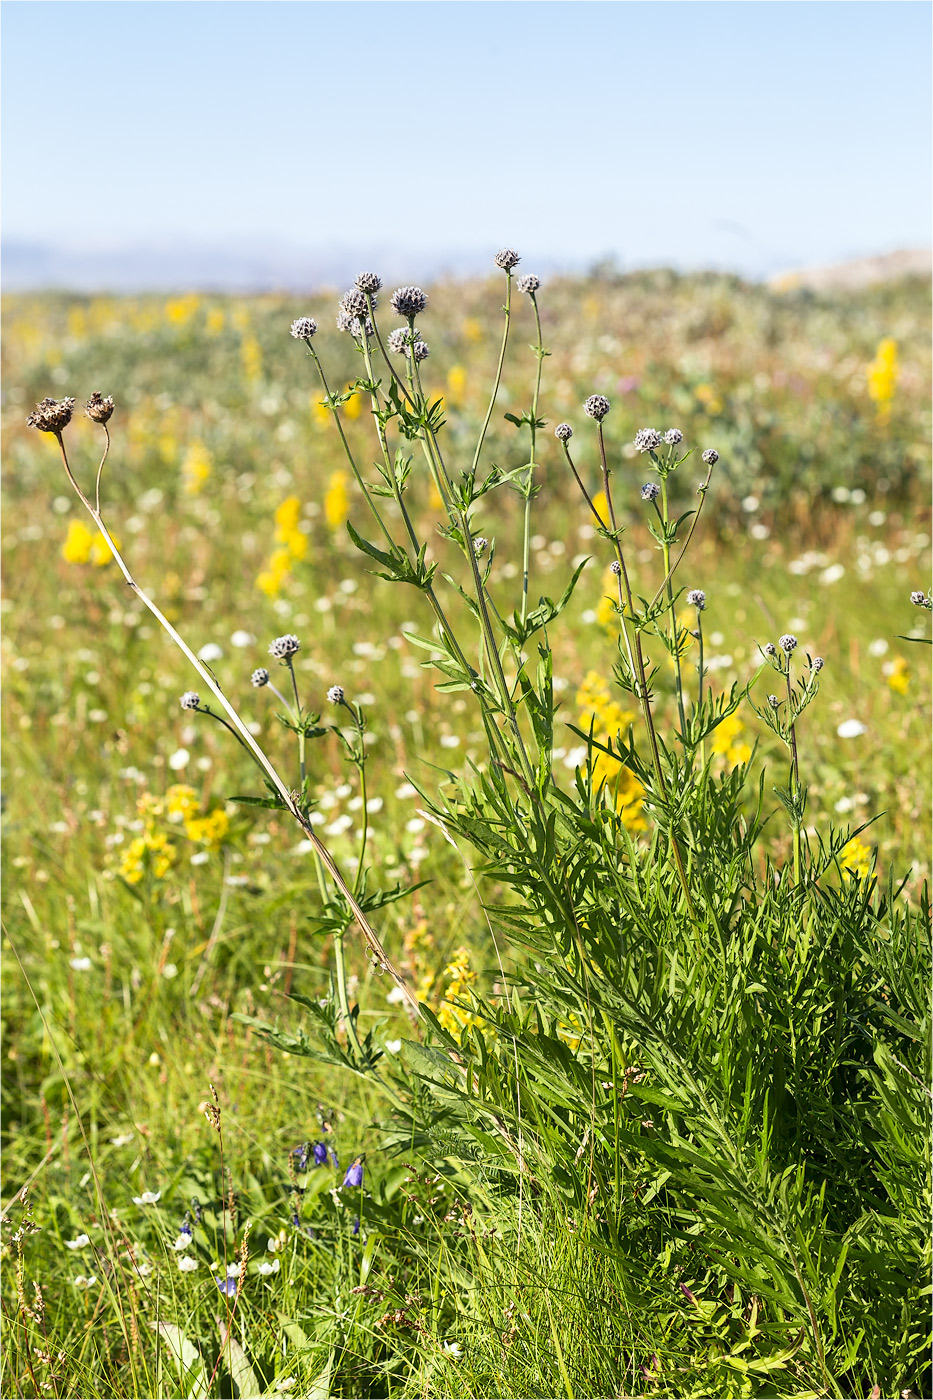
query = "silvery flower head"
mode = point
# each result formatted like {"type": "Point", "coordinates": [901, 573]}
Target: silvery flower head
{"type": "Point", "coordinates": [420, 351]}
{"type": "Point", "coordinates": [650, 491]}
{"type": "Point", "coordinates": [773, 701]}
{"type": "Point", "coordinates": [480, 545]}
{"type": "Point", "coordinates": [647, 439]}
{"type": "Point", "coordinates": [408, 302]}
{"type": "Point", "coordinates": [284, 647]}
{"type": "Point", "coordinates": [697, 599]}
{"type": "Point", "coordinates": [673, 436]}
{"type": "Point", "coordinates": [353, 302]}
{"type": "Point", "coordinates": [528, 284]}
{"type": "Point", "coordinates": [190, 700]}
{"type": "Point", "coordinates": [304, 328]}
{"type": "Point", "coordinates": [564, 432]}
{"type": "Point", "coordinates": [787, 642]}
{"type": "Point", "coordinates": [335, 695]}
{"type": "Point", "coordinates": [51, 415]}
{"type": "Point", "coordinates": [920, 600]}
{"type": "Point", "coordinates": [260, 677]}
{"type": "Point", "coordinates": [596, 406]}
{"type": "Point", "coordinates": [818, 663]}
{"type": "Point", "coordinates": [711, 456]}
{"type": "Point", "coordinates": [507, 258]}
{"type": "Point", "coordinates": [400, 341]}
{"type": "Point", "coordinates": [98, 408]}
{"type": "Point", "coordinates": [615, 568]}
{"type": "Point", "coordinates": [353, 324]}
{"type": "Point", "coordinates": [368, 282]}
{"type": "Point", "coordinates": [769, 649]}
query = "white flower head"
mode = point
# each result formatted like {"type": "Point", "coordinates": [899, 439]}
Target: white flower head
{"type": "Point", "coordinates": [393, 1046]}
{"type": "Point", "coordinates": [84, 1282]}
{"type": "Point", "coordinates": [148, 1198]}
{"type": "Point", "coordinates": [453, 1349]}
{"type": "Point", "coordinates": [187, 1263]}
{"type": "Point", "coordinates": [850, 729]}
{"type": "Point", "coordinates": [79, 1242]}
{"type": "Point", "coordinates": [266, 1268]}
{"type": "Point", "coordinates": [394, 996]}
{"type": "Point", "coordinates": [182, 1242]}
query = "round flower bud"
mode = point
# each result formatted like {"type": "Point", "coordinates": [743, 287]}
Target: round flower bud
{"type": "Point", "coordinates": [408, 302]}
{"type": "Point", "coordinates": [353, 302]}
{"type": "Point", "coordinates": [480, 545]}
{"type": "Point", "coordinates": [650, 491]}
{"type": "Point", "coordinates": [818, 663]}
{"type": "Point", "coordinates": [51, 415]}
{"type": "Point", "coordinates": [564, 432]}
{"type": "Point", "coordinates": [697, 599]}
{"type": "Point", "coordinates": [335, 695]}
{"type": "Point", "coordinates": [398, 341]}
{"type": "Point", "coordinates": [419, 350]}
{"type": "Point", "coordinates": [919, 599]}
{"type": "Point", "coordinates": [260, 677]}
{"type": "Point", "coordinates": [615, 568]}
{"type": "Point", "coordinates": [787, 642]}
{"type": "Point", "coordinates": [352, 324]}
{"type": "Point", "coordinates": [769, 649]}
{"type": "Point", "coordinates": [596, 406]}
{"type": "Point", "coordinates": [284, 647]}
{"type": "Point", "coordinates": [773, 701]}
{"type": "Point", "coordinates": [647, 439]}
{"type": "Point", "coordinates": [98, 408]}
{"type": "Point", "coordinates": [303, 328]}
{"type": "Point", "coordinates": [528, 284]}
{"type": "Point", "coordinates": [507, 258]}
{"type": "Point", "coordinates": [673, 436]}
{"type": "Point", "coordinates": [711, 456]}
{"type": "Point", "coordinates": [190, 700]}
{"type": "Point", "coordinates": [368, 282]}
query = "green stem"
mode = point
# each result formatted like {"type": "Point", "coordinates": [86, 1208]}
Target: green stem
{"type": "Point", "coordinates": [673, 630]}
{"type": "Point", "coordinates": [794, 773]}
{"type": "Point", "coordinates": [298, 720]}
{"type": "Point", "coordinates": [526, 534]}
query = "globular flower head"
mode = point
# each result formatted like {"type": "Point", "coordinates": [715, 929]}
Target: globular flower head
{"type": "Point", "coordinates": [480, 545]}
{"type": "Point", "coordinates": [284, 647]}
{"type": "Point", "coordinates": [51, 415]}
{"type": "Point", "coordinates": [647, 439]}
{"type": "Point", "coordinates": [615, 568]}
{"type": "Point", "coordinates": [190, 700]}
{"type": "Point", "coordinates": [920, 600]}
{"type": "Point", "coordinates": [400, 341]}
{"type": "Point", "coordinates": [98, 408]}
{"type": "Point", "coordinates": [769, 649]}
{"type": "Point", "coordinates": [673, 436]}
{"type": "Point", "coordinates": [368, 282]}
{"type": "Point", "coordinates": [787, 642]}
{"type": "Point", "coordinates": [818, 663]}
{"type": "Point", "coordinates": [304, 328]}
{"type": "Point", "coordinates": [650, 491]}
{"type": "Point", "coordinates": [260, 677]}
{"type": "Point", "coordinates": [507, 258]}
{"type": "Point", "coordinates": [596, 406]}
{"type": "Point", "coordinates": [354, 1176]}
{"type": "Point", "coordinates": [354, 325]}
{"type": "Point", "coordinates": [711, 456]}
{"type": "Point", "coordinates": [335, 695]}
{"type": "Point", "coordinates": [697, 599]}
{"type": "Point", "coordinates": [773, 701]}
{"type": "Point", "coordinates": [528, 284]}
{"type": "Point", "coordinates": [408, 302]}
{"type": "Point", "coordinates": [353, 302]}
{"type": "Point", "coordinates": [420, 350]}
{"type": "Point", "coordinates": [564, 432]}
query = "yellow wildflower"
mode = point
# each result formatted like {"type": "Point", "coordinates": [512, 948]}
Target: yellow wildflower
{"type": "Point", "coordinates": [181, 803]}
{"type": "Point", "coordinates": [726, 741]}
{"type": "Point", "coordinates": [460, 980]}
{"type": "Point", "coordinates": [353, 408]}
{"type": "Point", "coordinates": [100, 552]}
{"type": "Point", "coordinates": [898, 674]}
{"type": "Point", "coordinates": [152, 850]}
{"type": "Point", "coordinates": [180, 310]}
{"type": "Point", "coordinates": [473, 329]}
{"type": "Point", "coordinates": [593, 693]}
{"type": "Point", "coordinates": [215, 321]}
{"type": "Point", "coordinates": [77, 546]}
{"type": "Point", "coordinates": [320, 412]}
{"type": "Point", "coordinates": [602, 506]}
{"type": "Point", "coordinates": [456, 382]}
{"type": "Point", "coordinates": [196, 468]}
{"type": "Point", "coordinates": [251, 358]}
{"type": "Point", "coordinates": [855, 859]}
{"type": "Point", "coordinates": [883, 374]}
{"type": "Point", "coordinates": [210, 830]}
{"type": "Point", "coordinates": [287, 516]}
{"type": "Point", "coordinates": [336, 501]}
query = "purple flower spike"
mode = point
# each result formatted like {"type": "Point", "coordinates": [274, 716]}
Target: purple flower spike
{"type": "Point", "coordinates": [354, 1176]}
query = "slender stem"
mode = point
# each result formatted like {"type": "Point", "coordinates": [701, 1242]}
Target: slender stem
{"type": "Point", "coordinates": [700, 683]}
{"type": "Point", "coordinates": [673, 629]}
{"type": "Point", "coordinates": [299, 722]}
{"type": "Point", "coordinates": [289, 799]}
{"type": "Point", "coordinates": [101, 468]}
{"type": "Point", "coordinates": [507, 309]}
{"type": "Point", "coordinates": [526, 533]}
{"type": "Point", "coordinates": [701, 492]}
{"type": "Point", "coordinates": [794, 773]}
{"type": "Point", "coordinates": [359, 866]}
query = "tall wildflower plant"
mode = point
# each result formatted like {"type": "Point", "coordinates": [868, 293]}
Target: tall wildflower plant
{"type": "Point", "coordinates": [708, 1067]}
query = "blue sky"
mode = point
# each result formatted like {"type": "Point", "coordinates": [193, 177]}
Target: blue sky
{"type": "Point", "coordinates": [738, 134]}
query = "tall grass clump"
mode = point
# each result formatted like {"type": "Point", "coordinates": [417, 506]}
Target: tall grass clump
{"type": "Point", "coordinates": [673, 1137]}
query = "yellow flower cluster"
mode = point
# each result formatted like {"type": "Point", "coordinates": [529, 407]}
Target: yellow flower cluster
{"type": "Point", "coordinates": [883, 374]}
{"type": "Point", "coordinates": [292, 544]}
{"type": "Point", "coordinates": [153, 851]}
{"type": "Point", "coordinates": [608, 719]}
{"type": "Point", "coordinates": [83, 546]}
{"type": "Point", "coordinates": [456, 383]}
{"type": "Point", "coordinates": [460, 979]}
{"type": "Point", "coordinates": [855, 859]}
{"type": "Point", "coordinates": [898, 674]}
{"type": "Point", "coordinates": [419, 950]}
{"type": "Point", "coordinates": [251, 359]}
{"type": "Point", "coordinates": [180, 310]}
{"type": "Point", "coordinates": [710, 401]}
{"type": "Point", "coordinates": [209, 830]}
{"type": "Point", "coordinates": [336, 500]}
{"type": "Point", "coordinates": [196, 468]}
{"type": "Point", "coordinates": [728, 741]}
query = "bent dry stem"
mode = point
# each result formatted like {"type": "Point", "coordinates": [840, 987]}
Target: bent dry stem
{"type": "Point", "coordinates": [290, 800]}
